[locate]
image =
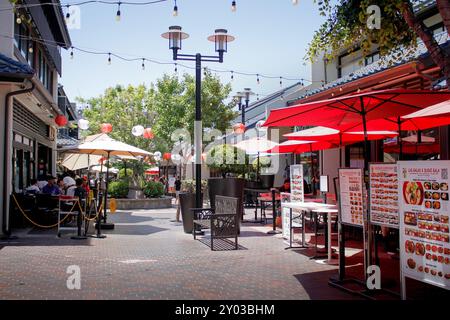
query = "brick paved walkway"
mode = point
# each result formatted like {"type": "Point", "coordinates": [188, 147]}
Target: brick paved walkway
{"type": "Point", "coordinates": [149, 257]}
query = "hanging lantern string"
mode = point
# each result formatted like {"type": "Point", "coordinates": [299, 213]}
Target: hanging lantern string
{"type": "Point", "coordinates": [121, 57]}
{"type": "Point", "coordinates": [81, 3]}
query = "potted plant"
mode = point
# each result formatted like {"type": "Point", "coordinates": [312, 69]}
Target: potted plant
{"type": "Point", "coordinates": [232, 163]}
{"type": "Point", "coordinates": [266, 179]}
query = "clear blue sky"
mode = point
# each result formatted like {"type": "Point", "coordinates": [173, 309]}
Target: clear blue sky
{"type": "Point", "coordinates": [271, 38]}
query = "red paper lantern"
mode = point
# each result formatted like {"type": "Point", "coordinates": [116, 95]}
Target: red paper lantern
{"type": "Point", "coordinates": [239, 128]}
{"type": "Point", "coordinates": [101, 160]}
{"type": "Point", "coordinates": [148, 133]}
{"type": "Point", "coordinates": [167, 156]}
{"type": "Point", "coordinates": [106, 127]}
{"type": "Point", "coordinates": [61, 120]}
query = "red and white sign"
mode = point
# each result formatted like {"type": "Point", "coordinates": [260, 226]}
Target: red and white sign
{"type": "Point", "coordinates": [424, 221]}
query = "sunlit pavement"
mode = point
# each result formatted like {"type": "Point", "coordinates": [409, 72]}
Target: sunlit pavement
{"type": "Point", "coordinates": [149, 257]}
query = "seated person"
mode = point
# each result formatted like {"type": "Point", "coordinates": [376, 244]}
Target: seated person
{"type": "Point", "coordinates": [69, 186]}
{"type": "Point", "coordinates": [286, 187]}
{"type": "Point", "coordinates": [51, 187]}
{"type": "Point", "coordinates": [33, 188]}
{"type": "Point", "coordinates": [86, 184]}
{"type": "Point", "coordinates": [306, 188]}
{"type": "Point", "coordinates": [42, 181]}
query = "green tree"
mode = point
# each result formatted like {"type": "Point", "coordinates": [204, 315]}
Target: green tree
{"type": "Point", "coordinates": [347, 27]}
{"type": "Point", "coordinates": [123, 107]}
{"type": "Point", "coordinates": [165, 107]}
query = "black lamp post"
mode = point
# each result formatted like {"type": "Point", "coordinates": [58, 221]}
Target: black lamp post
{"type": "Point", "coordinates": [221, 39]}
{"type": "Point", "coordinates": [247, 93]}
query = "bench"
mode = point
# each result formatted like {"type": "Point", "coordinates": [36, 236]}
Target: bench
{"type": "Point", "coordinates": [222, 220]}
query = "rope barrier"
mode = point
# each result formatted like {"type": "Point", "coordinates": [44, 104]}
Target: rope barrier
{"type": "Point", "coordinates": [40, 225]}
{"type": "Point", "coordinates": [96, 215]}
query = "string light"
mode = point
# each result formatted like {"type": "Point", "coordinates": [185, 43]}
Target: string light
{"type": "Point", "coordinates": [118, 12]}
{"type": "Point", "coordinates": [143, 63]}
{"type": "Point", "coordinates": [340, 89]}
{"type": "Point", "coordinates": [110, 54]}
{"type": "Point", "coordinates": [30, 47]}
{"type": "Point", "coordinates": [18, 20]}
{"type": "Point", "coordinates": [204, 71]}
{"type": "Point", "coordinates": [71, 53]}
{"type": "Point", "coordinates": [257, 97]}
{"type": "Point", "coordinates": [175, 9]}
{"type": "Point", "coordinates": [281, 81]}
{"type": "Point", "coordinates": [176, 68]}
{"type": "Point", "coordinates": [257, 79]}
{"type": "Point", "coordinates": [109, 58]}
{"type": "Point", "coordinates": [233, 6]}
{"type": "Point", "coordinates": [68, 14]}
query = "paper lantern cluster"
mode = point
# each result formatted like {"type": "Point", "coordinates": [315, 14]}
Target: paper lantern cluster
{"type": "Point", "coordinates": [106, 127]}
{"type": "Point", "coordinates": [61, 120]}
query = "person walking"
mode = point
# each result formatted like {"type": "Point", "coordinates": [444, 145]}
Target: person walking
{"type": "Point", "coordinates": [177, 198]}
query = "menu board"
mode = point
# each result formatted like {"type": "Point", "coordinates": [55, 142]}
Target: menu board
{"type": "Point", "coordinates": [424, 221]}
{"type": "Point", "coordinates": [351, 196]}
{"type": "Point", "coordinates": [285, 215]}
{"type": "Point", "coordinates": [383, 202]}
{"type": "Point", "coordinates": [297, 191]}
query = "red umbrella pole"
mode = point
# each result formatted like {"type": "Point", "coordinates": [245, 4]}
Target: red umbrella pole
{"type": "Point", "coordinates": [400, 143]}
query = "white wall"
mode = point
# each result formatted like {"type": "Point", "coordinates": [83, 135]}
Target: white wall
{"type": "Point", "coordinates": [330, 165]}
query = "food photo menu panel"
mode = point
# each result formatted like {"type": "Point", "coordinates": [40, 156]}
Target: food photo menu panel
{"type": "Point", "coordinates": [383, 194]}
{"type": "Point", "coordinates": [351, 196]}
{"type": "Point", "coordinates": [297, 191]}
{"type": "Point", "coordinates": [424, 221]}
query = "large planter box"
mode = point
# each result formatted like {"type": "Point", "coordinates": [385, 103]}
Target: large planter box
{"type": "Point", "coordinates": [150, 203]}
{"type": "Point", "coordinates": [187, 202]}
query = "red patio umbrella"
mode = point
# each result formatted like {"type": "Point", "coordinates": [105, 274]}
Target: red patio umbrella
{"type": "Point", "coordinates": [357, 109]}
{"type": "Point", "coordinates": [413, 148]}
{"type": "Point", "coordinates": [335, 136]}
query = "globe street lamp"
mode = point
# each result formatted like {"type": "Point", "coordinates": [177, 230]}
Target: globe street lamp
{"type": "Point", "coordinates": [247, 93]}
{"type": "Point", "coordinates": [220, 39]}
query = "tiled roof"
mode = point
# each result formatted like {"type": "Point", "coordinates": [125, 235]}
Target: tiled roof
{"type": "Point", "coordinates": [14, 68]}
{"type": "Point", "coordinates": [64, 140]}
{"type": "Point", "coordinates": [380, 65]}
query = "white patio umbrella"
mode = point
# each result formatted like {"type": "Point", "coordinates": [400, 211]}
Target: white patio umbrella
{"type": "Point", "coordinates": [108, 148]}
{"type": "Point", "coordinates": [256, 146]}
{"type": "Point", "coordinates": [103, 169]}
{"type": "Point", "coordinates": [438, 110]}
{"type": "Point", "coordinates": [77, 161]}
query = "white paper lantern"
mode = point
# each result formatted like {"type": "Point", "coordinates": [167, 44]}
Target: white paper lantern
{"type": "Point", "coordinates": [137, 131]}
{"type": "Point", "coordinates": [259, 125]}
{"type": "Point", "coordinates": [83, 124]}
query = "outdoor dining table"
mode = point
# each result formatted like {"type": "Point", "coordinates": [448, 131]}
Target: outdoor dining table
{"type": "Point", "coordinates": [306, 207]}
{"type": "Point", "coordinates": [328, 211]}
